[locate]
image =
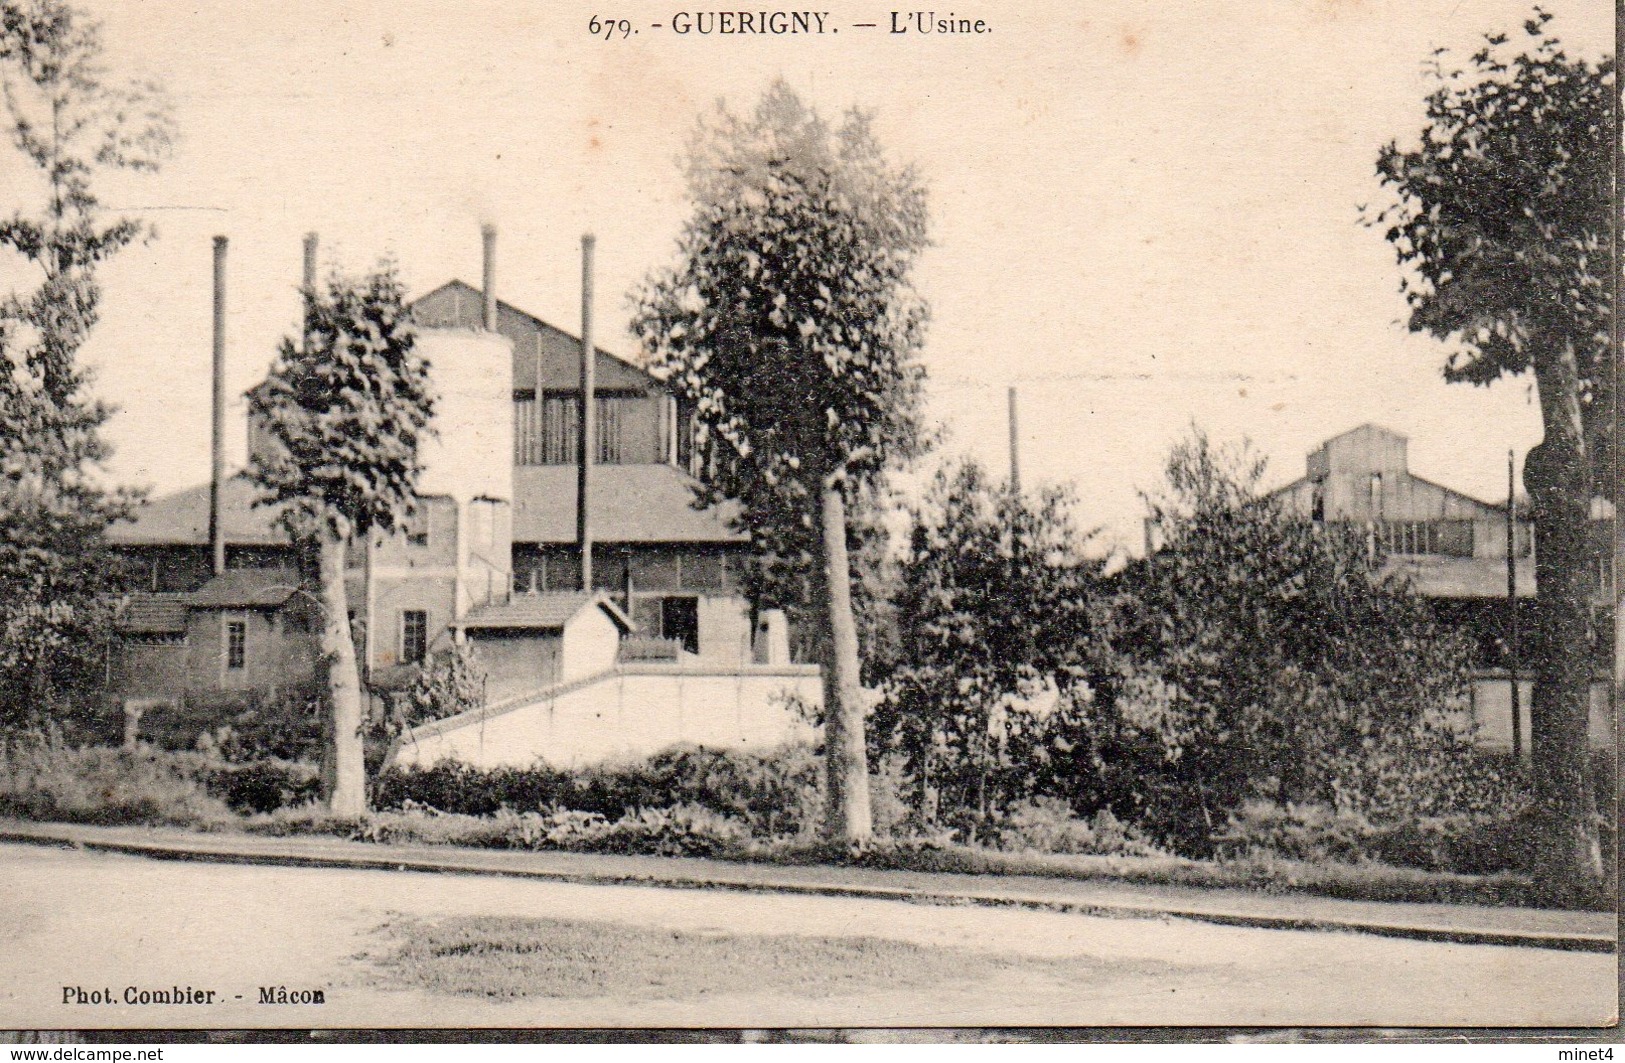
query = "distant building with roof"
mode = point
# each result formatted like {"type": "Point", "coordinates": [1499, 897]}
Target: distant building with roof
{"type": "Point", "coordinates": [1453, 548]}
{"type": "Point", "coordinates": [492, 555]}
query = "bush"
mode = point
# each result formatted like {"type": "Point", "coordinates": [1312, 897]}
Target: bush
{"type": "Point", "coordinates": [1049, 825]}
{"type": "Point", "coordinates": [1469, 843]}
{"type": "Point", "coordinates": [773, 794]}
{"type": "Point", "coordinates": [682, 830]}
{"type": "Point", "coordinates": [263, 785]}
{"type": "Point", "coordinates": [43, 778]}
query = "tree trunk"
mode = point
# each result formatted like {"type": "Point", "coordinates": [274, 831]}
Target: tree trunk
{"type": "Point", "coordinates": [344, 773]}
{"type": "Point", "coordinates": [846, 759]}
{"type": "Point", "coordinates": [1556, 475]}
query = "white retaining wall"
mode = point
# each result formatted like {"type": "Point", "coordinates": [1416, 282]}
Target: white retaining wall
{"type": "Point", "coordinates": [632, 711]}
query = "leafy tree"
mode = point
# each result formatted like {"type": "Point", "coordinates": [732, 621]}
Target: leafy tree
{"type": "Point", "coordinates": [1501, 223]}
{"type": "Point", "coordinates": [995, 605]}
{"type": "Point", "coordinates": [348, 407]}
{"type": "Point", "coordinates": [73, 125]}
{"type": "Point", "coordinates": [1256, 656]}
{"type": "Point", "coordinates": [790, 325]}
{"type": "Point", "coordinates": [450, 682]}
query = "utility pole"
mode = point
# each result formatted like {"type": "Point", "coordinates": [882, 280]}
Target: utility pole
{"type": "Point", "coordinates": [1512, 613]}
{"type": "Point", "coordinates": [587, 422]}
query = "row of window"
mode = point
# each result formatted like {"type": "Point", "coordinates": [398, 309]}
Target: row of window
{"type": "Point", "coordinates": [651, 569]}
{"type": "Point", "coordinates": [549, 433]}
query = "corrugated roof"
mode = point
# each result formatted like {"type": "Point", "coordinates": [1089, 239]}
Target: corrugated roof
{"type": "Point", "coordinates": [545, 611]}
{"type": "Point", "coordinates": [182, 518]}
{"type": "Point", "coordinates": [246, 588]}
{"type": "Point", "coordinates": [154, 614]}
{"type": "Point", "coordinates": [628, 504]}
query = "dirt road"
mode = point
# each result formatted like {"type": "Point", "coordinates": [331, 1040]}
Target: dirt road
{"type": "Point", "coordinates": [77, 927]}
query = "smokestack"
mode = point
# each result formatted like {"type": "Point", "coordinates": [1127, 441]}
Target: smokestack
{"type": "Point", "coordinates": [310, 261]}
{"type": "Point", "coordinates": [217, 422]}
{"type": "Point", "coordinates": [588, 419]}
{"type": "Point", "coordinates": [488, 234]}
{"type": "Point", "coordinates": [1015, 456]}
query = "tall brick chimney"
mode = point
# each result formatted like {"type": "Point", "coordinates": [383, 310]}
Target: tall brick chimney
{"type": "Point", "coordinates": [217, 418]}
{"type": "Point", "coordinates": [488, 235]}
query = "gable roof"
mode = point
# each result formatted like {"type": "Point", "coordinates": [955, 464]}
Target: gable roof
{"type": "Point", "coordinates": [182, 518]}
{"type": "Point", "coordinates": [541, 611]}
{"type": "Point", "coordinates": [457, 304]}
{"type": "Point", "coordinates": [626, 504]}
{"type": "Point", "coordinates": [154, 614]}
{"type": "Point", "coordinates": [245, 588]}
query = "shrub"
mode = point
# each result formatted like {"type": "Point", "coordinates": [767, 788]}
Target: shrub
{"type": "Point", "coordinates": [1049, 825]}
{"type": "Point", "coordinates": [263, 785]}
{"type": "Point", "coordinates": [42, 777]}
{"type": "Point", "coordinates": [1470, 843]}
{"type": "Point", "coordinates": [774, 793]}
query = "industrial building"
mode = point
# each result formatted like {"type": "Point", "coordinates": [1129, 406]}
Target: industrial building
{"type": "Point", "coordinates": [1455, 551]}
{"type": "Point", "coordinates": [567, 576]}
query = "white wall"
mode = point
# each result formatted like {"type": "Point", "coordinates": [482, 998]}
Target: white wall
{"type": "Point", "coordinates": [724, 630]}
{"type": "Point", "coordinates": [1492, 708]}
{"type": "Point", "coordinates": [634, 712]}
{"type": "Point", "coordinates": [473, 380]}
{"type": "Point", "coordinates": [591, 642]}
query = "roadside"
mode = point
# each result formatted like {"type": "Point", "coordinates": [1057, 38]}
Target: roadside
{"type": "Point", "coordinates": [386, 948]}
{"type": "Point", "coordinates": [1467, 924]}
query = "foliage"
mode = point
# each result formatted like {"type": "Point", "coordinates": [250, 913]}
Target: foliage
{"type": "Point", "coordinates": [790, 328]}
{"type": "Point", "coordinates": [773, 792]}
{"type": "Point", "coordinates": [348, 406]}
{"type": "Point", "coordinates": [679, 830]}
{"type": "Point", "coordinates": [1501, 219]}
{"type": "Point", "coordinates": [44, 778]}
{"type": "Point", "coordinates": [1502, 223]}
{"type": "Point", "coordinates": [994, 610]}
{"type": "Point", "coordinates": [1256, 655]}
{"type": "Point", "coordinates": [1048, 825]}
{"type": "Point", "coordinates": [452, 681]}
{"type": "Point", "coordinates": [74, 126]}
{"type": "Point", "coordinates": [790, 324]}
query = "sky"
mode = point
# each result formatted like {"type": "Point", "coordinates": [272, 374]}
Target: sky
{"type": "Point", "coordinates": [1144, 214]}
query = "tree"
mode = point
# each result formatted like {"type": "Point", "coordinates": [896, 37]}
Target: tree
{"type": "Point", "coordinates": [73, 125]}
{"type": "Point", "coordinates": [347, 407]}
{"type": "Point", "coordinates": [995, 605]}
{"type": "Point", "coordinates": [1256, 655]}
{"type": "Point", "coordinates": [790, 325]}
{"type": "Point", "coordinates": [1501, 224]}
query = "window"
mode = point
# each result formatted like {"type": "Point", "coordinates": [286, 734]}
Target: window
{"type": "Point", "coordinates": [675, 617]}
{"type": "Point", "coordinates": [547, 433]}
{"type": "Point", "coordinates": [561, 416]}
{"type": "Point", "coordinates": [414, 636]}
{"type": "Point", "coordinates": [680, 620]}
{"type": "Point", "coordinates": [1449, 538]}
{"type": "Point", "coordinates": [236, 645]}
{"type": "Point", "coordinates": [609, 430]}
{"type": "Point", "coordinates": [417, 526]}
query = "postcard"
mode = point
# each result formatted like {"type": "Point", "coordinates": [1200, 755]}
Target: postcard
{"type": "Point", "coordinates": [1030, 515]}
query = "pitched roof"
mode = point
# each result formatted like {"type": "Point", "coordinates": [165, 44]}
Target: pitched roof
{"type": "Point", "coordinates": [182, 518]}
{"type": "Point", "coordinates": [245, 588]}
{"type": "Point", "coordinates": [154, 614]}
{"type": "Point", "coordinates": [544, 611]}
{"type": "Point", "coordinates": [627, 504]}
{"type": "Point", "coordinates": [456, 304]}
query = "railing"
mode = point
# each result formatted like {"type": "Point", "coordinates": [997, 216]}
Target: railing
{"type": "Point", "coordinates": [650, 649]}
